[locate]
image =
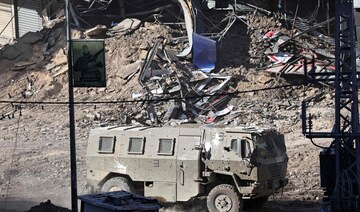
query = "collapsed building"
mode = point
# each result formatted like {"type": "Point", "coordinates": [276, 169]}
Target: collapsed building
{"type": "Point", "coordinates": [180, 60]}
{"type": "Point", "coordinates": [21, 16]}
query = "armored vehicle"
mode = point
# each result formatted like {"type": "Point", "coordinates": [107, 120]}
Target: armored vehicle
{"type": "Point", "coordinates": [232, 166]}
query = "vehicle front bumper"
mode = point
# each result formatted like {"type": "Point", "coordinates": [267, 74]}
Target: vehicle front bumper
{"type": "Point", "coordinates": [266, 188]}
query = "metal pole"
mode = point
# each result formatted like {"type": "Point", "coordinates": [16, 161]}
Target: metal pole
{"type": "Point", "coordinates": [328, 17]}
{"type": "Point", "coordinates": [74, 205]}
{"type": "Point", "coordinates": [16, 17]}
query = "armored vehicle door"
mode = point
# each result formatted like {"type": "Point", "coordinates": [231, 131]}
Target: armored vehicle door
{"type": "Point", "coordinates": [188, 166]}
{"type": "Point", "coordinates": [158, 167]}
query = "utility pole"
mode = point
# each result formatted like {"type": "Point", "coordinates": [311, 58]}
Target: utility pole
{"type": "Point", "coordinates": [340, 162]}
{"type": "Point", "coordinates": [74, 205]}
{"type": "Point", "coordinates": [16, 18]}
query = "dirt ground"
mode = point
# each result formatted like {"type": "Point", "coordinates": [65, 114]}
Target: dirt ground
{"type": "Point", "coordinates": [38, 168]}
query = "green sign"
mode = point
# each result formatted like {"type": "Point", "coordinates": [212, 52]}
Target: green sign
{"type": "Point", "coordinates": [89, 63]}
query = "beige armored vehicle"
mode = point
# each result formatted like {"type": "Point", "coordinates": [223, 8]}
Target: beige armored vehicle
{"type": "Point", "coordinates": [232, 166]}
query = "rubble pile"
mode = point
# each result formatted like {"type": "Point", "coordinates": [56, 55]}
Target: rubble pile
{"type": "Point", "coordinates": [259, 26]}
{"type": "Point", "coordinates": [34, 49]}
{"type": "Point", "coordinates": [149, 69]}
{"type": "Point", "coordinates": [47, 207]}
{"type": "Point", "coordinates": [280, 50]}
{"type": "Point", "coordinates": [33, 68]}
{"type": "Point", "coordinates": [144, 68]}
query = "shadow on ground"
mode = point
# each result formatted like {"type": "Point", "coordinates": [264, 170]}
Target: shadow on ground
{"type": "Point", "coordinates": [271, 206]}
{"type": "Point", "coordinates": [16, 205]}
{"type": "Point", "coordinates": [197, 205]}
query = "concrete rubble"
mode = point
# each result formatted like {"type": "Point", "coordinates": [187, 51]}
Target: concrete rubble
{"type": "Point", "coordinates": [145, 61]}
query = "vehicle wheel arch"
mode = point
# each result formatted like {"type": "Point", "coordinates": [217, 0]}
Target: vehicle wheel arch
{"type": "Point", "coordinates": [217, 178]}
{"type": "Point", "coordinates": [118, 182]}
{"type": "Point", "coordinates": [112, 175]}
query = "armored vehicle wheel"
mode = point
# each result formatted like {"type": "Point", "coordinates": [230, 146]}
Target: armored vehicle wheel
{"type": "Point", "coordinates": [118, 184]}
{"type": "Point", "coordinates": [224, 198]}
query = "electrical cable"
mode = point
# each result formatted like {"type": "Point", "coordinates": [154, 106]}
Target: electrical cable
{"type": "Point", "coordinates": [205, 17]}
{"type": "Point", "coordinates": [12, 162]}
{"type": "Point", "coordinates": [317, 145]}
{"type": "Point", "coordinates": [233, 95]}
{"type": "Point", "coordinates": [315, 13]}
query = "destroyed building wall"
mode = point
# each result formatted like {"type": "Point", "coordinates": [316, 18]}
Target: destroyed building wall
{"type": "Point", "coordinates": [29, 16]}
{"type": "Point", "coordinates": [6, 26]}
{"type": "Point", "coordinates": [21, 16]}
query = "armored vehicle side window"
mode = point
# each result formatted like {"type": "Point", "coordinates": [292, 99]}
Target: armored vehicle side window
{"type": "Point", "coordinates": [241, 147]}
{"type": "Point", "coordinates": [106, 145]}
{"type": "Point", "coordinates": [245, 149]}
{"type": "Point", "coordinates": [136, 146]}
{"type": "Point", "coordinates": [166, 146]}
{"type": "Point", "coordinates": [234, 146]}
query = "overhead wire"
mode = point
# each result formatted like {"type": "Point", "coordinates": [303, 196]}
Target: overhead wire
{"type": "Point", "coordinates": [205, 17]}
{"type": "Point", "coordinates": [232, 94]}
{"type": "Point", "coordinates": [318, 146]}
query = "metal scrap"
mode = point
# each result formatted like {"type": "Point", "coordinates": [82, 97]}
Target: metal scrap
{"type": "Point", "coordinates": [189, 28]}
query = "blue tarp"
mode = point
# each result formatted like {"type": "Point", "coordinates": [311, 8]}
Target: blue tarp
{"type": "Point", "coordinates": [204, 53]}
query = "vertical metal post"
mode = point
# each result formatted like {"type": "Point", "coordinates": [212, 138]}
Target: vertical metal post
{"type": "Point", "coordinates": [336, 195]}
{"type": "Point", "coordinates": [346, 107]}
{"type": "Point", "coordinates": [16, 19]}
{"type": "Point", "coordinates": [346, 191]}
{"type": "Point", "coordinates": [74, 205]}
{"type": "Point", "coordinates": [122, 8]}
{"type": "Point", "coordinates": [328, 17]}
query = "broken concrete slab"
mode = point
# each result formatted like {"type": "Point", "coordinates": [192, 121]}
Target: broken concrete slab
{"type": "Point", "coordinates": [265, 79]}
{"type": "Point", "coordinates": [10, 52]}
{"type": "Point", "coordinates": [22, 65]}
{"type": "Point", "coordinates": [125, 26]}
{"type": "Point", "coordinates": [128, 70]}
{"type": "Point", "coordinates": [98, 30]}
{"type": "Point", "coordinates": [50, 66]}
{"type": "Point", "coordinates": [26, 50]}
{"type": "Point", "coordinates": [63, 70]}
{"type": "Point", "coordinates": [60, 58]}
{"type": "Point", "coordinates": [31, 37]}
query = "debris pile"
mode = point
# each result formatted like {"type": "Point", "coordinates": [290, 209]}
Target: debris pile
{"type": "Point", "coordinates": [192, 94]}
{"type": "Point", "coordinates": [32, 67]}
{"type": "Point", "coordinates": [149, 65]}
{"type": "Point", "coordinates": [279, 50]}
{"type": "Point", "coordinates": [48, 207]}
{"type": "Point", "coordinates": [34, 49]}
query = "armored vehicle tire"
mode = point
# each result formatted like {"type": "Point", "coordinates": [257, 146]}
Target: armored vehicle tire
{"type": "Point", "coordinates": [224, 198]}
{"type": "Point", "coordinates": [118, 184]}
